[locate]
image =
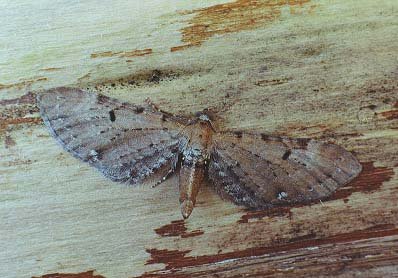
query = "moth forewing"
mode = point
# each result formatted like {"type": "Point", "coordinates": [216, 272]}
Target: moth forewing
{"type": "Point", "coordinates": [126, 142]}
{"type": "Point", "coordinates": [261, 171]}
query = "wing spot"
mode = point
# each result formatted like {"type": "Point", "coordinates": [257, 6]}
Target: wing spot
{"type": "Point", "coordinates": [238, 134]}
{"type": "Point", "coordinates": [303, 142]}
{"type": "Point", "coordinates": [139, 110]}
{"type": "Point", "coordinates": [112, 116]}
{"type": "Point", "coordinates": [282, 195]}
{"type": "Point", "coordinates": [264, 136]}
{"type": "Point", "coordinates": [95, 155]}
{"type": "Point", "coordinates": [299, 162]}
{"type": "Point", "coordinates": [286, 154]}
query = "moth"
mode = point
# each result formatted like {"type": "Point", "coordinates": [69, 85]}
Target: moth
{"type": "Point", "coordinates": [130, 142]}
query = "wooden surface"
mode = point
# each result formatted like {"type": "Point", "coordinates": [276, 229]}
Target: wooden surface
{"type": "Point", "coordinates": [320, 69]}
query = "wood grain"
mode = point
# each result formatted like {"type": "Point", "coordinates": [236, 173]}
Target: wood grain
{"type": "Point", "coordinates": [320, 69]}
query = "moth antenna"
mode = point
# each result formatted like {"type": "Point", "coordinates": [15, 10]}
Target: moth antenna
{"type": "Point", "coordinates": [156, 108]}
{"type": "Point", "coordinates": [152, 104]}
{"type": "Point", "coordinates": [212, 117]}
{"type": "Point", "coordinates": [181, 132]}
{"type": "Point", "coordinates": [212, 126]}
{"type": "Point", "coordinates": [225, 107]}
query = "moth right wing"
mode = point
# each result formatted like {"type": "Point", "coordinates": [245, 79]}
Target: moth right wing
{"type": "Point", "coordinates": [261, 171]}
{"type": "Point", "coordinates": [125, 142]}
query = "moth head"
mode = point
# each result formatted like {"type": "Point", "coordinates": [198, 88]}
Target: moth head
{"type": "Point", "coordinates": [206, 116]}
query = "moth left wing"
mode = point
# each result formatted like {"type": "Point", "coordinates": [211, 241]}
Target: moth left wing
{"type": "Point", "coordinates": [261, 171]}
{"type": "Point", "coordinates": [126, 142]}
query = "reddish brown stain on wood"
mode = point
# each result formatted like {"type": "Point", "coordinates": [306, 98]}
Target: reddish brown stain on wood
{"type": "Point", "coordinates": [18, 111]}
{"type": "Point", "coordinates": [51, 69]}
{"type": "Point", "coordinates": [87, 274]}
{"type": "Point", "coordinates": [169, 274]}
{"type": "Point", "coordinates": [273, 212]}
{"type": "Point", "coordinates": [17, 121]}
{"type": "Point", "coordinates": [369, 180]}
{"type": "Point", "coordinates": [233, 17]}
{"type": "Point", "coordinates": [29, 98]}
{"type": "Point", "coordinates": [193, 233]}
{"type": "Point", "coordinates": [392, 114]}
{"type": "Point", "coordinates": [174, 259]}
{"type": "Point", "coordinates": [177, 228]}
{"type": "Point", "coordinates": [164, 256]}
{"type": "Point", "coordinates": [271, 82]}
{"type": "Point", "coordinates": [127, 54]}
{"type": "Point", "coordinates": [180, 47]}
{"type": "Point", "coordinates": [22, 84]}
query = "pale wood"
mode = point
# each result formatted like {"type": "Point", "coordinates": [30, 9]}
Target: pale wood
{"type": "Point", "coordinates": [320, 69]}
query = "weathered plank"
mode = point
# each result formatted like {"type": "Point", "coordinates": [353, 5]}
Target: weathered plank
{"type": "Point", "coordinates": [319, 69]}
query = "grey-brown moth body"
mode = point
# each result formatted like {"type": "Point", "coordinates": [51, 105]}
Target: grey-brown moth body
{"type": "Point", "coordinates": [128, 143]}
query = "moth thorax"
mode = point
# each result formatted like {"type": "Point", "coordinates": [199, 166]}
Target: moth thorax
{"type": "Point", "coordinates": [193, 156]}
{"type": "Point", "coordinates": [204, 118]}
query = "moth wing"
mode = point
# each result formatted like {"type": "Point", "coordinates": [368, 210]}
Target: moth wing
{"type": "Point", "coordinates": [261, 171]}
{"type": "Point", "coordinates": [125, 142]}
